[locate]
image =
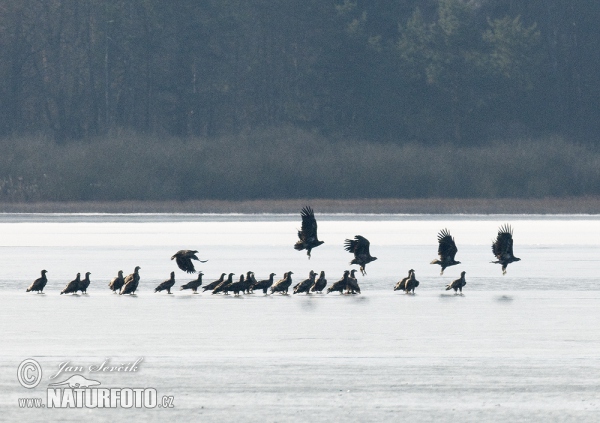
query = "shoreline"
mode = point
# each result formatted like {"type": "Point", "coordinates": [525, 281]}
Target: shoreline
{"type": "Point", "coordinates": [568, 205]}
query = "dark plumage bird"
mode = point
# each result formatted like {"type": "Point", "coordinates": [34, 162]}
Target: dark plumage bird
{"type": "Point", "coordinates": [306, 284]}
{"type": "Point", "coordinates": [446, 250]}
{"type": "Point", "coordinates": [353, 287]}
{"type": "Point", "coordinates": [39, 284]}
{"type": "Point", "coordinates": [214, 284]}
{"type": "Point", "coordinates": [184, 260]}
{"type": "Point", "coordinates": [85, 283]}
{"type": "Point", "coordinates": [308, 234]}
{"type": "Point", "coordinates": [222, 287]}
{"type": "Point", "coordinates": [195, 284]}
{"type": "Point", "coordinates": [73, 286]}
{"type": "Point", "coordinates": [250, 281]}
{"type": "Point", "coordinates": [166, 285]}
{"type": "Point", "coordinates": [503, 247]}
{"type": "Point", "coordinates": [238, 286]}
{"type": "Point", "coordinates": [282, 285]}
{"type": "Point", "coordinates": [319, 284]}
{"type": "Point", "coordinates": [457, 284]}
{"type": "Point", "coordinates": [411, 283]}
{"type": "Point", "coordinates": [401, 284]}
{"type": "Point", "coordinates": [131, 282]}
{"type": "Point", "coordinates": [359, 246]}
{"type": "Point", "coordinates": [117, 283]}
{"type": "Point", "coordinates": [341, 284]}
{"type": "Point", "coordinates": [264, 284]}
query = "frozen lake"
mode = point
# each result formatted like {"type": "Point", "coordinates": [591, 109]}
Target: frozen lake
{"type": "Point", "coordinates": [519, 347]}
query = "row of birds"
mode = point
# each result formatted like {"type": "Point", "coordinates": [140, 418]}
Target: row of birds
{"type": "Point", "coordinates": [246, 284]}
{"type": "Point", "coordinates": [502, 248]}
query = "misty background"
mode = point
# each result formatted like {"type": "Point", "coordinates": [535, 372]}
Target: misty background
{"type": "Point", "coordinates": [257, 99]}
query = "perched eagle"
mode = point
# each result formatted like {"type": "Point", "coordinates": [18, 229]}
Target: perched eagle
{"type": "Point", "coordinates": [457, 284]}
{"type": "Point", "coordinates": [352, 287]}
{"type": "Point", "coordinates": [117, 283]}
{"type": "Point", "coordinates": [308, 234]}
{"type": "Point", "coordinates": [446, 250]}
{"type": "Point", "coordinates": [263, 284]}
{"type": "Point", "coordinates": [184, 260]}
{"type": "Point", "coordinates": [411, 283]}
{"type": "Point", "coordinates": [166, 285]}
{"type": "Point", "coordinates": [306, 284]}
{"type": "Point", "coordinates": [222, 287]}
{"type": "Point", "coordinates": [340, 285]}
{"type": "Point", "coordinates": [131, 282]}
{"type": "Point", "coordinates": [85, 283]}
{"type": "Point", "coordinates": [401, 284]}
{"type": "Point", "coordinates": [214, 284]}
{"type": "Point", "coordinates": [359, 246]}
{"type": "Point", "coordinates": [239, 286]}
{"type": "Point", "coordinates": [319, 284]}
{"type": "Point", "coordinates": [503, 247]}
{"type": "Point", "coordinates": [282, 285]}
{"type": "Point", "coordinates": [195, 284]}
{"type": "Point", "coordinates": [39, 284]}
{"type": "Point", "coordinates": [73, 286]}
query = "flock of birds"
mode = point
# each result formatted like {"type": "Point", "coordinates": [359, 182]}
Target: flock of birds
{"type": "Point", "coordinates": [502, 248]}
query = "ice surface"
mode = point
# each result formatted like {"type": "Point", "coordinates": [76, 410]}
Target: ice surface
{"type": "Point", "coordinates": [519, 347]}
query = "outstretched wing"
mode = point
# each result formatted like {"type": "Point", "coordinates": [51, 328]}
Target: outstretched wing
{"type": "Point", "coordinates": [447, 247]}
{"type": "Point", "coordinates": [359, 245]}
{"type": "Point", "coordinates": [503, 245]}
{"type": "Point", "coordinates": [309, 225]}
{"type": "Point", "coordinates": [185, 264]}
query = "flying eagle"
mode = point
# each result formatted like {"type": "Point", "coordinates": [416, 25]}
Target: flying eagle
{"type": "Point", "coordinates": [184, 260]}
{"type": "Point", "coordinates": [39, 284]}
{"type": "Point", "coordinates": [195, 284]}
{"type": "Point", "coordinates": [117, 283]}
{"type": "Point", "coordinates": [359, 246]}
{"type": "Point", "coordinates": [308, 234]}
{"type": "Point", "coordinates": [457, 284]}
{"type": "Point", "coordinates": [446, 250]}
{"type": "Point", "coordinates": [502, 247]}
{"type": "Point", "coordinates": [166, 285]}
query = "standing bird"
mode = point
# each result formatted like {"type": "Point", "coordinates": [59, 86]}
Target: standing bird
{"type": "Point", "coordinates": [503, 247]}
{"type": "Point", "coordinates": [401, 284]}
{"type": "Point", "coordinates": [168, 284]}
{"type": "Point", "coordinates": [222, 287]}
{"type": "Point", "coordinates": [214, 284]}
{"type": "Point", "coordinates": [238, 286]}
{"type": "Point", "coordinates": [411, 283]}
{"type": "Point", "coordinates": [39, 284]}
{"type": "Point", "coordinates": [250, 281]}
{"type": "Point", "coordinates": [73, 286]}
{"type": "Point", "coordinates": [117, 283]}
{"type": "Point", "coordinates": [319, 284]}
{"type": "Point", "coordinates": [353, 287]}
{"type": "Point", "coordinates": [184, 260]}
{"type": "Point", "coordinates": [195, 284]}
{"type": "Point", "coordinates": [85, 283]}
{"type": "Point", "coordinates": [457, 284]}
{"type": "Point", "coordinates": [305, 285]}
{"type": "Point", "coordinates": [308, 234]}
{"type": "Point", "coordinates": [263, 284]}
{"type": "Point", "coordinates": [446, 250]}
{"type": "Point", "coordinates": [131, 282]}
{"type": "Point", "coordinates": [283, 285]}
{"type": "Point", "coordinates": [359, 246]}
{"type": "Point", "coordinates": [341, 284]}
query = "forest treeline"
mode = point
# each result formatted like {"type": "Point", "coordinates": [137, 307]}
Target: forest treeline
{"type": "Point", "coordinates": [427, 71]}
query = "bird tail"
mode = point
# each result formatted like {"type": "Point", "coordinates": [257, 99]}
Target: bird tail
{"type": "Point", "coordinates": [448, 287]}
{"type": "Point", "coordinates": [298, 246]}
{"type": "Point", "coordinates": [436, 261]}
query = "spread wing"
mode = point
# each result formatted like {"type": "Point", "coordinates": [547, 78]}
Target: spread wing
{"type": "Point", "coordinates": [309, 225]}
{"type": "Point", "coordinates": [358, 246]}
{"type": "Point", "coordinates": [503, 245]}
{"type": "Point", "coordinates": [447, 247]}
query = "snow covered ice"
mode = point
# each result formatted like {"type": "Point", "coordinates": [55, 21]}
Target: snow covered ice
{"type": "Point", "coordinates": [519, 347]}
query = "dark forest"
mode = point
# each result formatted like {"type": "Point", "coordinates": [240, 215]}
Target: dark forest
{"type": "Point", "coordinates": [147, 99]}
